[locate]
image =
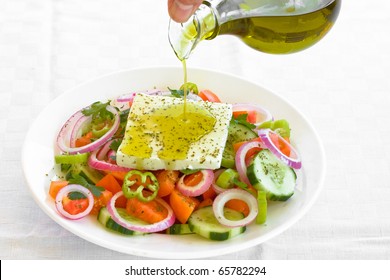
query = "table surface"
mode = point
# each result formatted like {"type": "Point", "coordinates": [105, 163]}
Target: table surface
{"type": "Point", "coordinates": [341, 85]}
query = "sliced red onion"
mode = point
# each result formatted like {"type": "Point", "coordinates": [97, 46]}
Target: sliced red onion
{"type": "Point", "coordinates": [111, 156]}
{"type": "Point", "coordinates": [193, 96]}
{"type": "Point", "coordinates": [241, 165]}
{"type": "Point", "coordinates": [128, 97]}
{"type": "Point", "coordinates": [82, 122]}
{"type": "Point", "coordinates": [223, 198]}
{"type": "Point", "coordinates": [217, 188]}
{"type": "Point", "coordinates": [200, 188]}
{"type": "Point", "coordinates": [262, 114]}
{"type": "Point", "coordinates": [156, 227]}
{"type": "Point", "coordinates": [99, 159]}
{"type": "Point", "coordinates": [67, 128]}
{"type": "Point", "coordinates": [74, 188]}
{"type": "Point", "coordinates": [63, 138]}
{"type": "Point", "coordinates": [294, 160]}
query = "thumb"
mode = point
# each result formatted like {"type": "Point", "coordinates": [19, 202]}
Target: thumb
{"type": "Point", "coordinates": [181, 10]}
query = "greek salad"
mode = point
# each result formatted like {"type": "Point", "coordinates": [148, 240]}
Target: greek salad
{"type": "Point", "coordinates": [258, 164]}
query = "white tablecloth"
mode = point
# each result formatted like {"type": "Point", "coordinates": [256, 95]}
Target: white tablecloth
{"type": "Point", "coordinates": [341, 84]}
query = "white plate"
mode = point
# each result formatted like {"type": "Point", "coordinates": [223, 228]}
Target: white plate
{"type": "Point", "coordinates": [37, 160]}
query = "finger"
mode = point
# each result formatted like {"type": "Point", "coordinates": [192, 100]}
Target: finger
{"type": "Point", "coordinates": [181, 10]}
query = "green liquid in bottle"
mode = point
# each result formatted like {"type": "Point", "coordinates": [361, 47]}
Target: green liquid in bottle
{"type": "Point", "coordinates": [283, 34]}
{"type": "Point", "coordinates": [284, 29]}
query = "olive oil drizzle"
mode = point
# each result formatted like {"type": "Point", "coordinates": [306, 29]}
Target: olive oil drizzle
{"type": "Point", "coordinates": [173, 128]}
{"type": "Point", "coordinates": [185, 88]}
{"type": "Point", "coordinates": [165, 127]}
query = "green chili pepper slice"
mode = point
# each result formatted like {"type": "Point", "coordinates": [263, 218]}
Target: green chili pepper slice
{"type": "Point", "coordinates": [100, 129]}
{"type": "Point", "coordinates": [141, 183]}
{"type": "Point", "coordinates": [190, 87]}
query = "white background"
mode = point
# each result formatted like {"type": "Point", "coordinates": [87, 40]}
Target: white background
{"type": "Point", "coordinates": [341, 84]}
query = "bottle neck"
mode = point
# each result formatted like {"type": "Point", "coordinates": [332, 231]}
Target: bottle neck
{"type": "Point", "coordinates": [184, 37]}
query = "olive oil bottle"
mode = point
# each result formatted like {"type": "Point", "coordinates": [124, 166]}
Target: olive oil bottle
{"type": "Point", "coordinates": [269, 26]}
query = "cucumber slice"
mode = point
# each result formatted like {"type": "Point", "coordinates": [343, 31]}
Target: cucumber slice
{"type": "Point", "coordinates": [236, 133]}
{"type": "Point", "coordinates": [204, 223]}
{"type": "Point", "coordinates": [105, 219]}
{"type": "Point", "coordinates": [267, 173]}
{"type": "Point", "coordinates": [179, 229]}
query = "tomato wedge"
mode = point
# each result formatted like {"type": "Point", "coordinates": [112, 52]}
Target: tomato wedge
{"type": "Point", "coordinates": [208, 95]}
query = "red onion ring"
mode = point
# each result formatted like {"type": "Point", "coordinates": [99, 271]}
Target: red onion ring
{"type": "Point", "coordinates": [63, 138]}
{"type": "Point", "coordinates": [241, 165]}
{"type": "Point", "coordinates": [130, 96]}
{"type": "Point", "coordinates": [156, 227]}
{"type": "Point", "coordinates": [126, 97]}
{"type": "Point", "coordinates": [67, 128]}
{"type": "Point", "coordinates": [194, 97]}
{"type": "Point", "coordinates": [223, 198]}
{"type": "Point", "coordinates": [77, 129]}
{"type": "Point", "coordinates": [97, 160]}
{"type": "Point", "coordinates": [74, 188]}
{"type": "Point", "coordinates": [200, 188]}
{"type": "Point", "coordinates": [262, 114]}
{"type": "Point", "coordinates": [293, 160]}
{"type": "Point", "coordinates": [111, 156]}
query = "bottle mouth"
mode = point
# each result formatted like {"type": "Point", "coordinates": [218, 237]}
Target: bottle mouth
{"type": "Point", "coordinates": [183, 37]}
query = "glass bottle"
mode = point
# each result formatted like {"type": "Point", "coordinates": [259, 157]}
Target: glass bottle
{"type": "Point", "coordinates": [269, 26]}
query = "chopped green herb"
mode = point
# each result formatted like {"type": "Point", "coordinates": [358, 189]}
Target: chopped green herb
{"type": "Point", "coordinates": [79, 180]}
{"type": "Point", "coordinates": [177, 92]}
{"type": "Point", "coordinates": [242, 119]}
{"type": "Point", "coordinates": [189, 171]}
{"type": "Point", "coordinates": [98, 110]}
{"type": "Point", "coordinates": [76, 195]}
{"type": "Point", "coordinates": [115, 144]}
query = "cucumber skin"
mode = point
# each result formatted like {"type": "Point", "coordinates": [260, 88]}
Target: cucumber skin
{"type": "Point", "coordinates": [218, 236]}
{"type": "Point", "coordinates": [105, 219]}
{"type": "Point", "coordinates": [179, 229]}
{"type": "Point", "coordinates": [236, 133]}
{"type": "Point", "coordinates": [197, 225]}
{"type": "Point", "coordinates": [257, 184]}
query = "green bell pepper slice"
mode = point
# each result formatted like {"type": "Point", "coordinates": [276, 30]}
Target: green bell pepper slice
{"type": "Point", "coordinates": [71, 159]}
{"type": "Point", "coordinates": [262, 206]}
{"type": "Point", "coordinates": [151, 185]}
{"type": "Point", "coordinates": [281, 127]}
{"type": "Point", "coordinates": [99, 130]}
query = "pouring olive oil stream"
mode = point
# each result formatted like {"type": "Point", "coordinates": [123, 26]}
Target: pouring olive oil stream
{"type": "Point", "coordinates": [269, 26]}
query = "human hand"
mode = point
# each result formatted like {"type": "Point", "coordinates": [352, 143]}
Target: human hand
{"type": "Point", "coordinates": [181, 10]}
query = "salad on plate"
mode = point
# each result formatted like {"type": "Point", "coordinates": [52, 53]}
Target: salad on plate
{"type": "Point", "coordinates": [156, 162]}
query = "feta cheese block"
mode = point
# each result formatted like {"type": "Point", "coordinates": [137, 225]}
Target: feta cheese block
{"type": "Point", "coordinates": [163, 132]}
